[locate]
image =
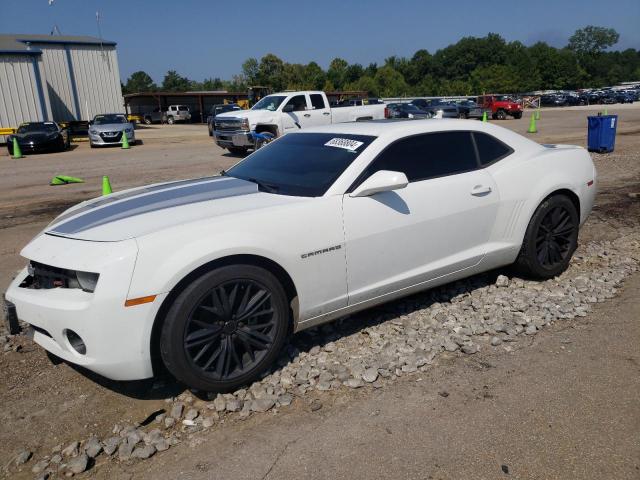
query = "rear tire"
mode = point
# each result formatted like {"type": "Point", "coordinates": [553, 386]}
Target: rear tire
{"type": "Point", "coordinates": [147, 120]}
{"type": "Point", "coordinates": [550, 239]}
{"type": "Point", "coordinates": [501, 115]}
{"type": "Point", "coordinates": [170, 120]}
{"type": "Point", "coordinates": [225, 328]}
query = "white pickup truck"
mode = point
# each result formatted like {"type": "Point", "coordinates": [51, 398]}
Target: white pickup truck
{"type": "Point", "coordinates": [281, 113]}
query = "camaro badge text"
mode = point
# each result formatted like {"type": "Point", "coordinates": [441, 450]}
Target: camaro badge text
{"type": "Point", "coordinates": [319, 252]}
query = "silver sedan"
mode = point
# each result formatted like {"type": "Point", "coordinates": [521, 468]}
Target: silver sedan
{"type": "Point", "coordinates": [109, 128]}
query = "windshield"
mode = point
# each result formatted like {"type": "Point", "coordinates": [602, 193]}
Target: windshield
{"type": "Point", "coordinates": [109, 119]}
{"type": "Point", "coordinates": [225, 108]}
{"type": "Point", "coordinates": [301, 164]}
{"type": "Point", "coordinates": [37, 127]}
{"type": "Point", "coordinates": [272, 102]}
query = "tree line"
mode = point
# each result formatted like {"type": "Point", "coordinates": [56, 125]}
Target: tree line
{"type": "Point", "coordinates": [470, 66]}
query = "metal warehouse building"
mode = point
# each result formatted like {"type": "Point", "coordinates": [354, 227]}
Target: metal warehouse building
{"type": "Point", "coordinates": [57, 77]}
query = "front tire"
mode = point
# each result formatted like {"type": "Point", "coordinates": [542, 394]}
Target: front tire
{"type": "Point", "coordinates": [550, 239]}
{"type": "Point", "coordinates": [517, 115]}
{"type": "Point", "coordinates": [501, 115]}
{"type": "Point", "coordinates": [238, 150]}
{"type": "Point", "coordinates": [225, 328]}
{"type": "Point", "coordinates": [170, 120]}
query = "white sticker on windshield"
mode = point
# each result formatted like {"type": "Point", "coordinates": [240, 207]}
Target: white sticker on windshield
{"type": "Point", "coordinates": [346, 143]}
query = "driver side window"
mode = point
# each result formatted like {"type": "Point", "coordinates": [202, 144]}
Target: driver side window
{"type": "Point", "coordinates": [430, 155]}
{"type": "Point", "coordinates": [298, 102]}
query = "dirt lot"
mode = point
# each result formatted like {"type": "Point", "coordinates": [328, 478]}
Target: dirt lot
{"type": "Point", "coordinates": [561, 405]}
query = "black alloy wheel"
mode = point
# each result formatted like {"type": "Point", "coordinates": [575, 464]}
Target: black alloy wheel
{"type": "Point", "coordinates": [554, 237]}
{"type": "Point", "coordinates": [550, 239]}
{"type": "Point", "coordinates": [225, 328]}
{"type": "Point", "coordinates": [230, 329]}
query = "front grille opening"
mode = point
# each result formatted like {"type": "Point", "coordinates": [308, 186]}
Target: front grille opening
{"type": "Point", "coordinates": [43, 276]}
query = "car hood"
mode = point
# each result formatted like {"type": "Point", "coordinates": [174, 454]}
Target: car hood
{"type": "Point", "coordinates": [110, 127]}
{"type": "Point", "coordinates": [141, 211]}
{"type": "Point", "coordinates": [34, 136]}
{"type": "Point", "coordinates": [254, 116]}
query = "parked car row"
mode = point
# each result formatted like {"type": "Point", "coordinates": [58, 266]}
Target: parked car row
{"type": "Point", "coordinates": [40, 137]}
{"type": "Point", "coordinates": [599, 97]}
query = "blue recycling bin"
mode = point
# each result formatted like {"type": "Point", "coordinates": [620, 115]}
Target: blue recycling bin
{"type": "Point", "coordinates": [601, 137]}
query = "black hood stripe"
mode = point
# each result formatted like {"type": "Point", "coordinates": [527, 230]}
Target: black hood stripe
{"type": "Point", "coordinates": [117, 207]}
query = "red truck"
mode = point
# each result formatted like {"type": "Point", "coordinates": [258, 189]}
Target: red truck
{"type": "Point", "coordinates": [500, 106]}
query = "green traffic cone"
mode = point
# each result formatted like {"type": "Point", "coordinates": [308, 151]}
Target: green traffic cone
{"type": "Point", "coordinates": [537, 114]}
{"type": "Point", "coordinates": [64, 180]}
{"type": "Point", "coordinates": [106, 186]}
{"type": "Point", "coordinates": [125, 142]}
{"type": "Point", "coordinates": [605, 113]}
{"type": "Point", "coordinates": [484, 116]}
{"type": "Point", "coordinates": [17, 153]}
{"type": "Point", "coordinates": [532, 125]}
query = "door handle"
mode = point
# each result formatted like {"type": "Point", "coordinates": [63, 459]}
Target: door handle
{"type": "Point", "coordinates": [307, 115]}
{"type": "Point", "coordinates": [480, 190]}
{"type": "Point", "coordinates": [326, 113]}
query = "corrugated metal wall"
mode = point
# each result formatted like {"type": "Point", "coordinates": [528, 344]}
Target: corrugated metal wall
{"type": "Point", "coordinates": [19, 99]}
{"type": "Point", "coordinates": [56, 82]}
{"type": "Point", "coordinates": [77, 82]}
{"type": "Point", "coordinates": [97, 79]}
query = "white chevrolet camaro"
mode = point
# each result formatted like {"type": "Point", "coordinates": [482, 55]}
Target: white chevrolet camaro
{"type": "Point", "coordinates": [209, 276]}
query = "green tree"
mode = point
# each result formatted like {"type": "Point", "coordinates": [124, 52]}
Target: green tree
{"type": "Point", "coordinates": [271, 72]}
{"type": "Point", "coordinates": [293, 76]}
{"type": "Point", "coordinates": [212, 84]}
{"type": "Point", "coordinates": [591, 40]}
{"type": "Point", "coordinates": [337, 72]}
{"type": "Point", "coordinates": [173, 82]}
{"type": "Point", "coordinates": [314, 76]}
{"type": "Point", "coordinates": [390, 82]}
{"type": "Point", "coordinates": [494, 79]}
{"type": "Point", "coordinates": [140, 82]}
{"type": "Point", "coordinates": [250, 70]}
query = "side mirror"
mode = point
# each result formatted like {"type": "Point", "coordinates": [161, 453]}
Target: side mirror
{"type": "Point", "coordinates": [288, 108]}
{"type": "Point", "coordinates": [381, 181]}
{"type": "Point", "coordinates": [90, 122]}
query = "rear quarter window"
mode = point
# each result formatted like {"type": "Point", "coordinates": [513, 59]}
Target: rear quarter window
{"type": "Point", "coordinates": [490, 149]}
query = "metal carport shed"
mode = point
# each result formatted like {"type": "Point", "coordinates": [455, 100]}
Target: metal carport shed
{"type": "Point", "coordinates": [57, 77]}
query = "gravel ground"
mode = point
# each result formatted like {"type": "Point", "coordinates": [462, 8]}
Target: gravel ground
{"type": "Point", "coordinates": [84, 422]}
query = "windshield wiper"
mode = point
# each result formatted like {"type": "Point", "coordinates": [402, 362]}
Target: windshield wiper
{"type": "Point", "coordinates": [267, 187]}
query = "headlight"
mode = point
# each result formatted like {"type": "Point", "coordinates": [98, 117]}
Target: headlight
{"type": "Point", "coordinates": [47, 276]}
{"type": "Point", "coordinates": [245, 124]}
{"type": "Point", "coordinates": [93, 132]}
{"type": "Point", "coordinates": [87, 280]}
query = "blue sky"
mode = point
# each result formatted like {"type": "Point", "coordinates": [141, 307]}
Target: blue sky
{"type": "Point", "coordinates": [203, 39]}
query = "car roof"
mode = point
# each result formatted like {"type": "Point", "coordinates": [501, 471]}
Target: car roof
{"type": "Point", "coordinates": [390, 130]}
